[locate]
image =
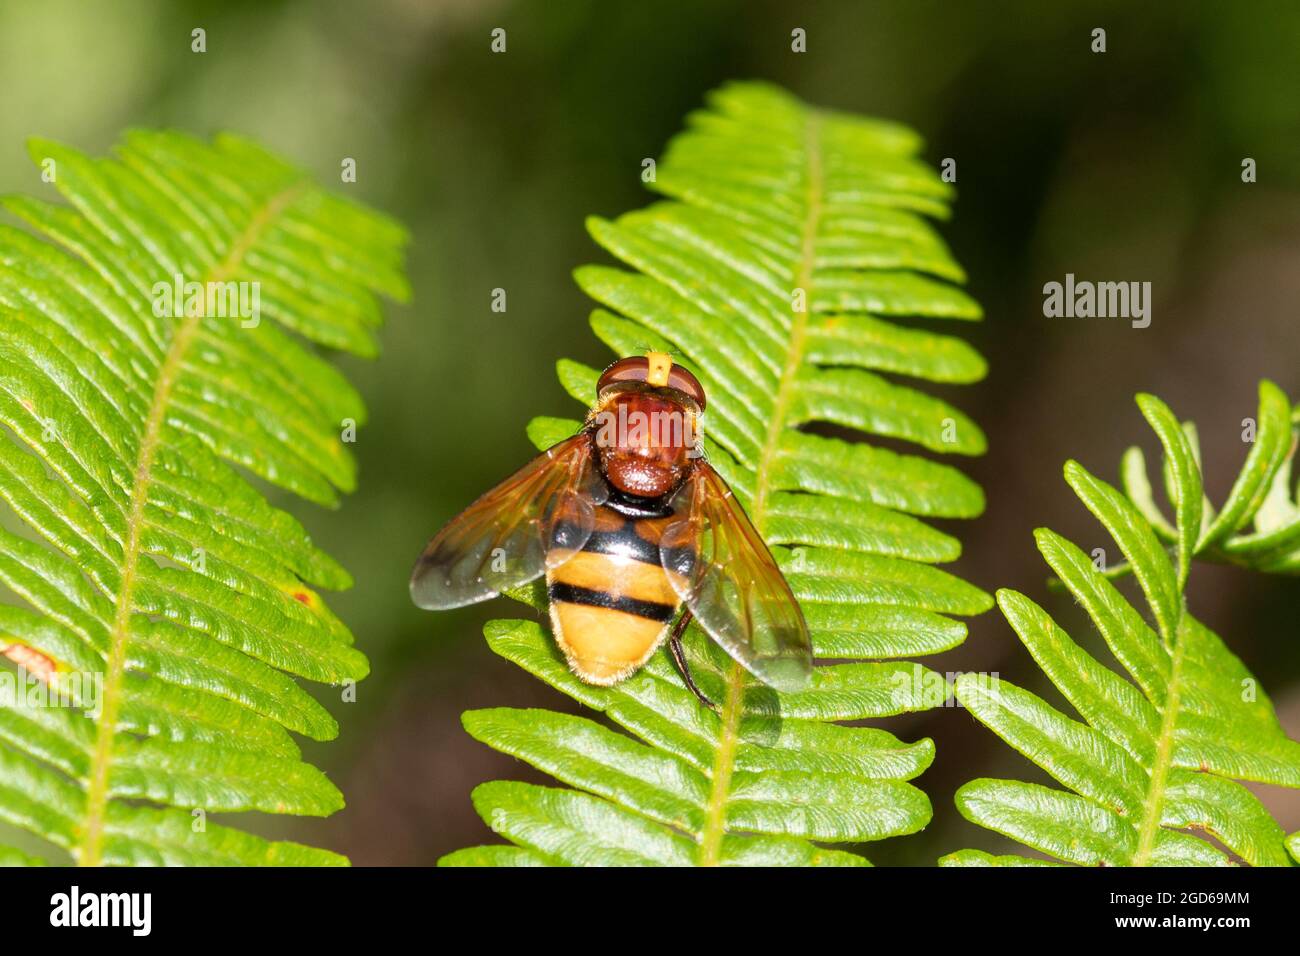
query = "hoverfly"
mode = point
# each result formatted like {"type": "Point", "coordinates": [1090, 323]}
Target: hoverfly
{"type": "Point", "coordinates": [628, 522]}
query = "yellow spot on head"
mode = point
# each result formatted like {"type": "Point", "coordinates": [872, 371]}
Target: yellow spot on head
{"type": "Point", "coordinates": [661, 363]}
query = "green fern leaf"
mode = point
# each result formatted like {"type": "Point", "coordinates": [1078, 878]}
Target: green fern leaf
{"type": "Point", "coordinates": [980, 858]}
{"type": "Point", "coordinates": [793, 238]}
{"type": "Point", "coordinates": [162, 596]}
{"type": "Point", "coordinates": [1258, 527]}
{"type": "Point", "coordinates": [1156, 760]}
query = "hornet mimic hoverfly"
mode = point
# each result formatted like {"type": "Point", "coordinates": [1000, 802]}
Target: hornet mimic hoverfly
{"type": "Point", "coordinates": [628, 522]}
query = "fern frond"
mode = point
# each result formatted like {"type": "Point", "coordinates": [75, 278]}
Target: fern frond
{"type": "Point", "coordinates": [794, 239]}
{"type": "Point", "coordinates": [162, 595]}
{"type": "Point", "coordinates": [1156, 760]}
{"type": "Point", "coordinates": [1258, 526]}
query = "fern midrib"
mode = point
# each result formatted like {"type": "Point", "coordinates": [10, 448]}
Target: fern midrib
{"type": "Point", "coordinates": [715, 820]}
{"type": "Point", "coordinates": [90, 849]}
{"type": "Point", "coordinates": [1154, 804]}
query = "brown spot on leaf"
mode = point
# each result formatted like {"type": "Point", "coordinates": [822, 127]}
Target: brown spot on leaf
{"type": "Point", "coordinates": [39, 665]}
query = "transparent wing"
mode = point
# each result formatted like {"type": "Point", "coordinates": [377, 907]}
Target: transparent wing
{"type": "Point", "coordinates": [721, 568]}
{"type": "Point", "coordinates": [539, 516]}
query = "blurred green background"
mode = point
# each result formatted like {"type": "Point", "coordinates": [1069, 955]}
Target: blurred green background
{"type": "Point", "coordinates": [1120, 166]}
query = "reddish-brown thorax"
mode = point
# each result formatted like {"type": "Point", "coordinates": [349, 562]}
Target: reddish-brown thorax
{"type": "Point", "coordinates": [644, 439]}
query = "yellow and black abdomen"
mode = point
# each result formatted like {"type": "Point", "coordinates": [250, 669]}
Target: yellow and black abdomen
{"type": "Point", "coordinates": [611, 603]}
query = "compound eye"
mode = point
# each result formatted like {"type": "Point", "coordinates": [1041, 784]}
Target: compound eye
{"type": "Point", "coordinates": [634, 369]}
{"type": "Point", "coordinates": [684, 381]}
{"type": "Point", "coordinates": [657, 369]}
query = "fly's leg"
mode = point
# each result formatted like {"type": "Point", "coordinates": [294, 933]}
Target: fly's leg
{"type": "Point", "coordinates": [679, 658]}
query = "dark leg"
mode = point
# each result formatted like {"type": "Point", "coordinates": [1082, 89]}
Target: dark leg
{"type": "Point", "coordinates": [679, 658]}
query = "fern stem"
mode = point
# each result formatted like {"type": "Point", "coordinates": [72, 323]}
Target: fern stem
{"type": "Point", "coordinates": [1154, 804]}
{"type": "Point", "coordinates": [91, 845]}
{"type": "Point", "coordinates": [715, 821]}
{"type": "Point", "coordinates": [733, 707]}
{"type": "Point", "coordinates": [798, 323]}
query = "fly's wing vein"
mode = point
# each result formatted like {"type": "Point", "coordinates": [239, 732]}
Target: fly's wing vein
{"type": "Point", "coordinates": [538, 517]}
{"type": "Point", "coordinates": [719, 565]}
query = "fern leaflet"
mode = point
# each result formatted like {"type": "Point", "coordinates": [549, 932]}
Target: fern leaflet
{"type": "Point", "coordinates": [162, 595]}
{"type": "Point", "coordinates": [793, 240]}
{"type": "Point", "coordinates": [1261, 496]}
{"type": "Point", "coordinates": [1159, 756]}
